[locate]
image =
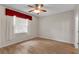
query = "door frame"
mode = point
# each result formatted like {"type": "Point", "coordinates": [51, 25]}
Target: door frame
{"type": "Point", "coordinates": [76, 26]}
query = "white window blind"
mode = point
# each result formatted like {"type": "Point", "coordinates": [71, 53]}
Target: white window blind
{"type": "Point", "coordinates": [20, 25]}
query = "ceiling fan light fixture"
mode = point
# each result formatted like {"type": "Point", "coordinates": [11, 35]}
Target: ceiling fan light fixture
{"type": "Point", "coordinates": [37, 11]}
{"type": "Point", "coordinates": [39, 7]}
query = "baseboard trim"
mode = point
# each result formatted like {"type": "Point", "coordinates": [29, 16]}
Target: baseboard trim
{"type": "Point", "coordinates": [9, 43]}
{"type": "Point", "coordinates": [57, 41]}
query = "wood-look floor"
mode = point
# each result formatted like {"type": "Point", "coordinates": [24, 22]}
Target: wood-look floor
{"type": "Point", "coordinates": [39, 46]}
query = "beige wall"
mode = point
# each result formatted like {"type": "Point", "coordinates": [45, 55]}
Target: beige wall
{"type": "Point", "coordinates": [58, 27]}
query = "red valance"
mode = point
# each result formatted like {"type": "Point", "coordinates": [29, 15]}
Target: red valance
{"type": "Point", "coordinates": [10, 12]}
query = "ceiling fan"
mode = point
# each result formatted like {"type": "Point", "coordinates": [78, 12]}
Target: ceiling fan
{"type": "Point", "coordinates": [37, 8]}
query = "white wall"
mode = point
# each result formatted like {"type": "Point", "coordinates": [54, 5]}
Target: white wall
{"type": "Point", "coordinates": [6, 30]}
{"type": "Point", "coordinates": [2, 26]}
{"type": "Point", "coordinates": [57, 27]}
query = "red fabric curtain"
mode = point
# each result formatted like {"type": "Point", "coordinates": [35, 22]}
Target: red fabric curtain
{"type": "Point", "coordinates": [18, 14]}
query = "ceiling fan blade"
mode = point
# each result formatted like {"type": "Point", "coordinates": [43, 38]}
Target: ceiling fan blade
{"type": "Point", "coordinates": [30, 6]}
{"type": "Point", "coordinates": [44, 10]}
{"type": "Point", "coordinates": [30, 10]}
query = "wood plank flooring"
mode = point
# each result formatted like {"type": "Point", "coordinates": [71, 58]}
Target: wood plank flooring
{"type": "Point", "coordinates": [39, 46]}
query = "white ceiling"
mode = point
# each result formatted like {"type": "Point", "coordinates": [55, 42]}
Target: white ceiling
{"type": "Point", "coordinates": [51, 8]}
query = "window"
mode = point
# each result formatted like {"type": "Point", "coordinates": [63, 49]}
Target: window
{"type": "Point", "coordinates": [20, 25]}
